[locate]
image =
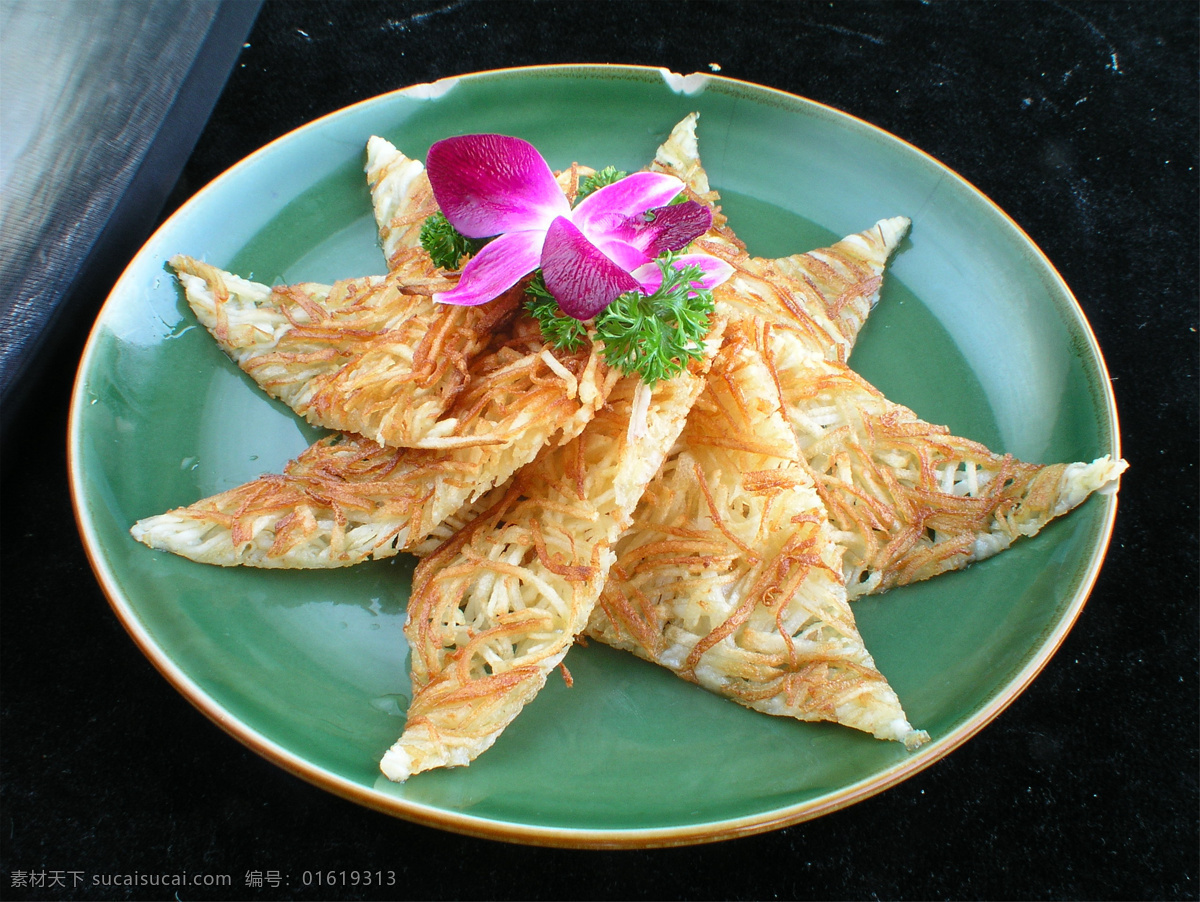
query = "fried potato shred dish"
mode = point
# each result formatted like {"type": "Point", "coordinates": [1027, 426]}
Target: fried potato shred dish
{"type": "Point", "coordinates": [718, 523]}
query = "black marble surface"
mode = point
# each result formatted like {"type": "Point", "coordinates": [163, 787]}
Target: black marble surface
{"type": "Point", "coordinates": [1078, 119]}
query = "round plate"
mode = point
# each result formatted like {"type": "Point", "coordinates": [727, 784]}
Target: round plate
{"type": "Point", "coordinates": [975, 330]}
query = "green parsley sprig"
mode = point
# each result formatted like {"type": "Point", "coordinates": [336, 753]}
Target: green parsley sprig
{"type": "Point", "coordinates": [589, 184]}
{"type": "Point", "coordinates": [558, 329]}
{"type": "Point", "coordinates": [446, 245]}
{"type": "Point", "coordinates": [656, 335]}
{"type": "Point", "coordinates": [652, 335]}
{"type": "Point", "coordinates": [609, 175]}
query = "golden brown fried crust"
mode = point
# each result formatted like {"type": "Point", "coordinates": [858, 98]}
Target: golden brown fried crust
{"type": "Point", "coordinates": [372, 356]}
{"type": "Point", "coordinates": [729, 575]}
{"type": "Point", "coordinates": [909, 499]}
{"type": "Point", "coordinates": [347, 498]}
{"type": "Point", "coordinates": [494, 609]}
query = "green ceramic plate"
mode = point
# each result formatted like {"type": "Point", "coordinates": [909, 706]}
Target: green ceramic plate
{"type": "Point", "coordinates": [975, 330]}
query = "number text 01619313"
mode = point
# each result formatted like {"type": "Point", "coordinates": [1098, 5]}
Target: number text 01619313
{"type": "Point", "coordinates": [348, 878]}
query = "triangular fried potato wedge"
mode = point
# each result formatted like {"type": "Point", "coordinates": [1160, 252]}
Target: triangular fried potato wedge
{"type": "Point", "coordinates": [401, 197]}
{"type": "Point", "coordinates": [347, 499]}
{"type": "Point", "coordinates": [825, 295]}
{"type": "Point", "coordinates": [730, 576]}
{"type": "Point", "coordinates": [494, 610]}
{"type": "Point", "coordinates": [373, 356]}
{"type": "Point", "coordinates": [841, 281]}
{"type": "Point", "coordinates": [679, 156]}
{"type": "Point", "coordinates": [908, 499]}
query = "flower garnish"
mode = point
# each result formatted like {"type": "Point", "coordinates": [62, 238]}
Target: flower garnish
{"type": "Point", "coordinates": [498, 187]}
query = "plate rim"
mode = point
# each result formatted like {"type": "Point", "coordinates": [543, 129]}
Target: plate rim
{"type": "Point", "coordinates": [575, 837]}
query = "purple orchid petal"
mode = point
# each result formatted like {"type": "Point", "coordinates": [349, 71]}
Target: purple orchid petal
{"type": "Point", "coordinates": [612, 206]}
{"type": "Point", "coordinates": [661, 229]}
{"type": "Point", "coordinates": [497, 267]}
{"type": "Point", "coordinates": [713, 271]}
{"type": "Point", "coordinates": [490, 184]}
{"type": "Point", "coordinates": [582, 279]}
{"type": "Point", "coordinates": [676, 226]}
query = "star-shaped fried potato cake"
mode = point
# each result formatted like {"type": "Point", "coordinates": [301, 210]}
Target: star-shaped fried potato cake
{"type": "Point", "coordinates": [517, 471]}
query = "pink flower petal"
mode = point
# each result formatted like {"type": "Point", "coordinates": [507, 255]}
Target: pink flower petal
{"type": "Point", "coordinates": [624, 255]}
{"type": "Point", "coordinates": [582, 279]}
{"type": "Point", "coordinates": [713, 271]}
{"type": "Point", "coordinates": [491, 184]}
{"type": "Point", "coordinates": [497, 267]}
{"type": "Point", "coordinates": [611, 207]}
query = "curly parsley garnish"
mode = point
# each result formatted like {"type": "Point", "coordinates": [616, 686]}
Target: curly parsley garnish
{"type": "Point", "coordinates": [656, 335]}
{"type": "Point", "coordinates": [446, 245]}
{"type": "Point", "coordinates": [597, 180]}
{"type": "Point", "coordinates": [558, 329]}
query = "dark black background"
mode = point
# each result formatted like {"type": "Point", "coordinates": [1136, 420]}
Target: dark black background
{"type": "Point", "coordinates": [1078, 119]}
